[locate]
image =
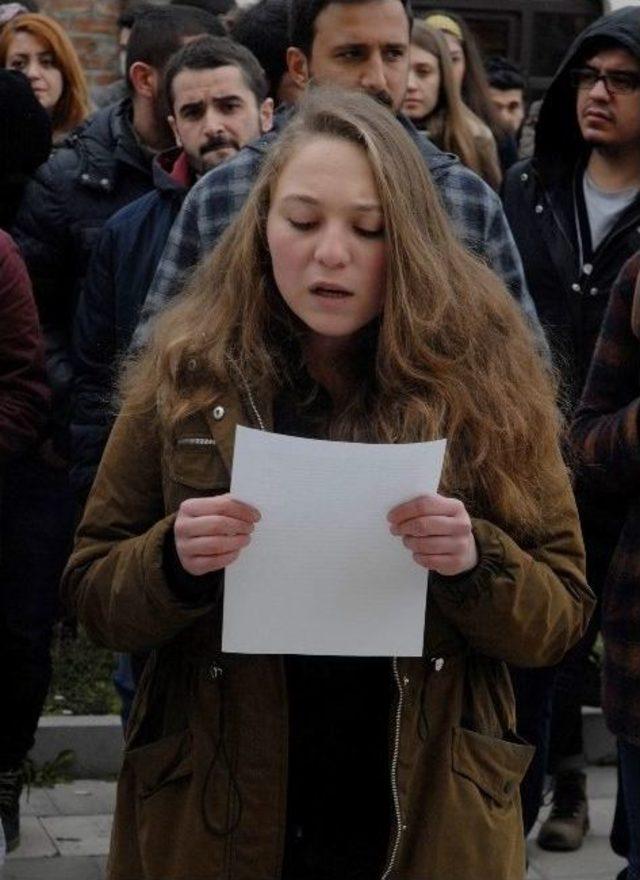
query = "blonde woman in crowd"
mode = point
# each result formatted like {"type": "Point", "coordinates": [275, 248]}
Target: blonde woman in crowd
{"type": "Point", "coordinates": [39, 47]}
{"type": "Point", "coordinates": [434, 104]}
{"type": "Point", "coordinates": [471, 80]}
{"type": "Point", "coordinates": [338, 305]}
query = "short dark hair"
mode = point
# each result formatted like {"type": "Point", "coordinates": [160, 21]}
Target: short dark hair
{"type": "Point", "coordinates": [303, 15]}
{"type": "Point", "coordinates": [158, 30]}
{"type": "Point", "coordinates": [128, 15]}
{"type": "Point", "coordinates": [503, 74]}
{"type": "Point", "coordinates": [209, 53]}
{"type": "Point", "coordinates": [213, 7]}
{"type": "Point", "coordinates": [264, 30]}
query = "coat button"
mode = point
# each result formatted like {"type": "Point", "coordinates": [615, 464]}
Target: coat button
{"type": "Point", "coordinates": [575, 287]}
{"type": "Point", "coordinates": [438, 664]}
{"type": "Point", "coordinates": [594, 291]}
{"type": "Point", "coordinates": [539, 209]}
{"type": "Point", "coordinates": [84, 178]}
{"type": "Point", "coordinates": [587, 268]}
{"type": "Point", "coordinates": [524, 177]}
{"type": "Point", "coordinates": [104, 183]}
{"type": "Point", "coordinates": [218, 413]}
{"type": "Point", "coordinates": [406, 680]}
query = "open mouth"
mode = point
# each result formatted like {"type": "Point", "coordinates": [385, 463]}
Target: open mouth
{"type": "Point", "coordinates": [330, 291]}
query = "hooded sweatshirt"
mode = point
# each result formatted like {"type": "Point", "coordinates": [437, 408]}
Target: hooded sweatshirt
{"type": "Point", "coordinates": [544, 202]}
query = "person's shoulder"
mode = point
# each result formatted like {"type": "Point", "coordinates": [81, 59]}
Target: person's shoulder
{"type": "Point", "coordinates": [133, 212]}
{"type": "Point", "coordinates": [458, 184]}
{"type": "Point", "coordinates": [225, 183]}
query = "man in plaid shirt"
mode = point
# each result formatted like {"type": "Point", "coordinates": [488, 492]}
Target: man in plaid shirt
{"type": "Point", "coordinates": [361, 45]}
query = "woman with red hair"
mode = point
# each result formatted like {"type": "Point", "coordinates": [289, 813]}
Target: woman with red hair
{"type": "Point", "coordinates": [38, 46]}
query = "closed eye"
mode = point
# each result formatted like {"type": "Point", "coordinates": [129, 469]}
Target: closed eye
{"type": "Point", "coordinates": [302, 226]}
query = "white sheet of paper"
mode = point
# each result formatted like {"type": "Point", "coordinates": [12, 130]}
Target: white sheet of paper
{"type": "Point", "coordinates": [323, 574]}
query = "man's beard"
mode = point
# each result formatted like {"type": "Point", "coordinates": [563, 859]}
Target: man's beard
{"type": "Point", "coordinates": [220, 142]}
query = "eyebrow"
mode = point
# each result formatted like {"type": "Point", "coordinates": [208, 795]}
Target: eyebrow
{"type": "Point", "coordinates": [309, 200]}
{"type": "Point", "coordinates": [217, 100]}
{"type": "Point", "coordinates": [357, 45]}
{"type": "Point", "coordinates": [591, 66]}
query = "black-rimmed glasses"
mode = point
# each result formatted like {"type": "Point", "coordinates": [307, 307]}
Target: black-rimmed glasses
{"type": "Point", "coordinates": [616, 82]}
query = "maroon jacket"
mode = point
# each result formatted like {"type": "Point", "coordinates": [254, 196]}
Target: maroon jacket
{"type": "Point", "coordinates": [606, 433]}
{"type": "Point", "coordinates": [24, 396]}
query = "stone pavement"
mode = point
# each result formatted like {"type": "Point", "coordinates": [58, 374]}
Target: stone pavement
{"type": "Point", "coordinates": [65, 835]}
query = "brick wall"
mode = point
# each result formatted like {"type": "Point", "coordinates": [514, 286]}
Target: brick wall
{"type": "Point", "coordinates": [91, 24]}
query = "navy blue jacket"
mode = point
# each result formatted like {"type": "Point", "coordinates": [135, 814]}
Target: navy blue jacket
{"type": "Point", "coordinates": [120, 272]}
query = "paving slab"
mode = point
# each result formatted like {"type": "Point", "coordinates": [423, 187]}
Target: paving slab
{"type": "Point", "coordinates": [37, 802]}
{"type": "Point", "coordinates": [84, 797]}
{"type": "Point", "coordinates": [35, 842]}
{"type": "Point", "coordinates": [80, 835]}
{"type": "Point", "coordinates": [72, 868]}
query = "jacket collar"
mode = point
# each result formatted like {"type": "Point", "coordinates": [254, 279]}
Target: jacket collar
{"type": "Point", "coordinates": [104, 142]}
{"type": "Point", "coordinates": [237, 405]}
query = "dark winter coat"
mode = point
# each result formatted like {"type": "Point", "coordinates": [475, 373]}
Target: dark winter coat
{"type": "Point", "coordinates": [24, 396]}
{"type": "Point", "coordinates": [202, 791]}
{"type": "Point", "coordinates": [606, 433]}
{"type": "Point", "coordinates": [99, 169]}
{"type": "Point", "coordinates": [570, 295]}
{"type": "Point", "coordinates": [120, 273]}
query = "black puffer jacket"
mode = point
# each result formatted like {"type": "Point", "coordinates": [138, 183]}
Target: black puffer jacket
{"type": "Point", "coordinates": [99, 169]}
{"type": "Point", "coordinates": [570, 295]}
{"type": "Point", "coordinates": [119, 275]}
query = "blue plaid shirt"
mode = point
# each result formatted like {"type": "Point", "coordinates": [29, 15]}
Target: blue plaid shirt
{"type": "Point", "coordinates": [474, 209]}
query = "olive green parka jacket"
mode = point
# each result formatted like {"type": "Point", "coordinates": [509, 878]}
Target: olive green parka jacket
{"type": "Point", "coordinates": [202, 790]}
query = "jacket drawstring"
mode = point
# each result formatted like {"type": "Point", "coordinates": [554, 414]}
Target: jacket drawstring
{"type": "Point", "coordinates": [220, 752]}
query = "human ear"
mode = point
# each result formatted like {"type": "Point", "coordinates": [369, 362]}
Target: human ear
{"type": "Point", "coordinates": [143, 79]}
{"type": "Point", "coordinates": [298, 67]}
{"type": "Point", "coordinates": [266, 115]}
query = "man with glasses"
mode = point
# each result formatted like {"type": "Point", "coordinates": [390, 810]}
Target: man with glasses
{"type": "Point", "coordinates": [574, 209]}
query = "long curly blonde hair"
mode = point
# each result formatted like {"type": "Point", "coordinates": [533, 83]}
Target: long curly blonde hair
{"type": "Point", "coordinates": [451, 354]}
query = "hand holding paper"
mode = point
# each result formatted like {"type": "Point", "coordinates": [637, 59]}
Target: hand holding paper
{"type": "Point", "coordinates": [437, 530]}
{"type": "Point", "coordinates": [323, 574]}
{"type": "Point", "coordinates": [211, 532]}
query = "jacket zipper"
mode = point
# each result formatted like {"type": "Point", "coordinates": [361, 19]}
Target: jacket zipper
{"type": "Point", "coordinates": [400, 827]}
{"type": "Point", "coordinates": [250, 399]}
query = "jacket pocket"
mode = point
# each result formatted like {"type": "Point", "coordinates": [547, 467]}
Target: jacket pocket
{"type": "Point", "coordinates": [161, 763]}
{"type": "Point", "coordinates": [496, 766]}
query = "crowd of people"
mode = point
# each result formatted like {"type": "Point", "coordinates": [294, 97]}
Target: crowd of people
{"type": "Point", "coordinates": [333, 220]}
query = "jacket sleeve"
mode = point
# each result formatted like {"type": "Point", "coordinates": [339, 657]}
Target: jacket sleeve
{"type": "Point", "coordinates": [182, 251]}
{"type": "Point", "coordinates": [478, 217]}
{"type": "Point", "coordinates": [524, 606]}
{"type": "Point", "coordinates": [94, 361]}
{"type": "Point", "coordinates": [24, 396]}
{"type": "Point", "coordinates": [42, 232]}
{"type": "Point", "coordinates": [115, 580]}
{"type": "Point", "coordinates": [605, 432]}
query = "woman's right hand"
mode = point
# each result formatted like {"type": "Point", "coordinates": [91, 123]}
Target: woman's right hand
{"type": "Point", "coordinates": [211, 532]}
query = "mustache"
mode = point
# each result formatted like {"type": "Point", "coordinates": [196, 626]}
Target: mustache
{"type": "Point", "coordinates": [217, 143]}
{"type": "Point", "coordinates": [383, 98]}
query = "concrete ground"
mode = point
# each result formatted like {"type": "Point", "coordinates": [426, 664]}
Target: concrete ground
{"type": "Point", "coordinates": [65, 835]}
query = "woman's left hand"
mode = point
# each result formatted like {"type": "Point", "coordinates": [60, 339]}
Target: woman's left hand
{"type": "Point", "coordinates": [437, 531]}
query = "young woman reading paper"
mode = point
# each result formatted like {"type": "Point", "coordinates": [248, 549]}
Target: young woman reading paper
{"type": "Point", "coordinates": [339, 305]}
